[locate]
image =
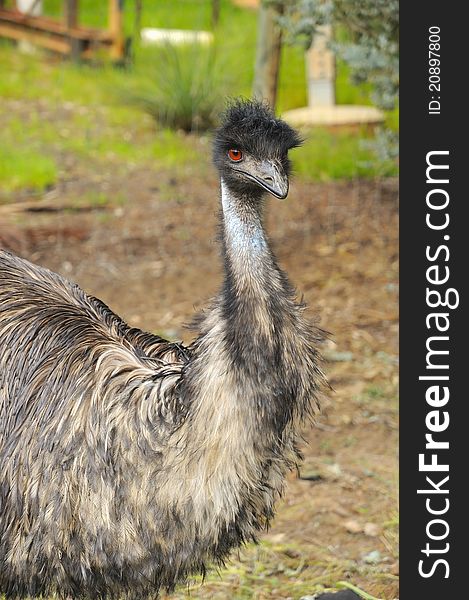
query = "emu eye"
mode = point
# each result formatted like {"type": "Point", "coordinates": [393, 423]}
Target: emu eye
{"type": "Point", "coordinates": [235, 155]}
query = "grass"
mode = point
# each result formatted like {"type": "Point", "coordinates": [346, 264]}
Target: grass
{"type": "Point", "coordinates": [21, 168]}
{"type": "Point", "coordinates": [327, 156]}
{"type": "Point", "coordinates": [357, 590]}
{"type": "Point", "coordinates": [277, 571]}
{"type": "Point", "coordinates": [99, 126]}
{"type": "Point", "coordinates": [186, 91]}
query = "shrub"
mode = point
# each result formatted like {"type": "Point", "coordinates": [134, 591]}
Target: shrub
{"type": "Point", "coordinates": [186, 91]}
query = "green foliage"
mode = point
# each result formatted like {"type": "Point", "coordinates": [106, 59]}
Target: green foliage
{"type": "Point", "coordinates": [366, 41]}
{"type": "Point", "coordinates": [186, 90]}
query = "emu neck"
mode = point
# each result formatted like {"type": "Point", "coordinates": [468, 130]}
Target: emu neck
{"type": "Point", "coordinates": [247, 254]}
{"type": "Point", "coordinates": [255, 297]}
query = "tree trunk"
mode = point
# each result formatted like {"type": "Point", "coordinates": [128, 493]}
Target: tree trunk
{"type": "Point", "coordinates": [215, 12]}
{"type": "Point", "coordinates": [269, 46]}
{"type": "Point", "coordinates": [71, 13]}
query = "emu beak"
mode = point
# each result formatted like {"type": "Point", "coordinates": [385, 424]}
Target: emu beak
{"type": "Point", "coordinates": [270, 176]}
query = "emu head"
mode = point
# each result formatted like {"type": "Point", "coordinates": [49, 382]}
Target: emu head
{"type": "Point", "coordinates": [251, 147]}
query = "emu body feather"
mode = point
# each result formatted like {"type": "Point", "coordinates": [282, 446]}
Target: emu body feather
{"type": "Point", "coordinates": [128, 462]}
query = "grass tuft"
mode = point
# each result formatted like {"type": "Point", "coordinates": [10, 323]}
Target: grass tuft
{"type": "Point", "coordinates": [357, 590]}
{"type": "Point", "coordinates": [187, 90]}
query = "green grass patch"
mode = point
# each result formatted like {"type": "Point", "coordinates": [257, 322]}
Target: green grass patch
{"type": "Point", "coordinates": [83, 109]}
{"type": "Point", "coordinates": [41, 76]}
{"type": "Point", "coordinates": [22, 168]}
{"type": "Point", "coordinates": [235, 46]}
{"type": "Point", "coordinates": [292, 85]}
{"type": "Point", "coordinates": [346, 93]}
{"type": "Point", "coordinates": [392, 119]}
{"type": "Point", "coordinates": [375, 392]}
{"type": "Point", "coordinates": [330, 155]}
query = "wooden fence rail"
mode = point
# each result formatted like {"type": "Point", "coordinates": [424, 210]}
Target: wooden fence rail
{"type": "Point", "coordinates": [67, 37]}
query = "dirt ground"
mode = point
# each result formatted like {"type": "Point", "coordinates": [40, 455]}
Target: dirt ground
{"type": "Point", "coordinates": [150, 252]}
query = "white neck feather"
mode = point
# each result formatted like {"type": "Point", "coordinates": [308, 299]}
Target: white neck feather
{"type": "Point", "coordinates": [244, 233]}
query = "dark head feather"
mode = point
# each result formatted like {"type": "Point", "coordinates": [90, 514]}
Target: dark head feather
{"type": "Point", "coordinates": [251, 126]}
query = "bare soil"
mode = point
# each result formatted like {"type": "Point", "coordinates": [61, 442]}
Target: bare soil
{"type": "Point", "coordinates": [151, 254]}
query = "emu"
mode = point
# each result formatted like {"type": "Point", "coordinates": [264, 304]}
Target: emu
{"type": "Point", "coordinates": [128, 462]}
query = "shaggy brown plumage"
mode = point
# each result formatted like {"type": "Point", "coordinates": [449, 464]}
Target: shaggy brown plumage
{"type": "Point", "coordinates": [128, 462]}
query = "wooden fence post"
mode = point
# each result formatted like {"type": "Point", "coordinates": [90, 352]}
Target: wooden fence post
{"type": "Point", "coordinates": [71, 21]}
{"type": "Point", "coordinates": [115, 28]}
{"type": "Point", "coordinates": [71, 13]}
